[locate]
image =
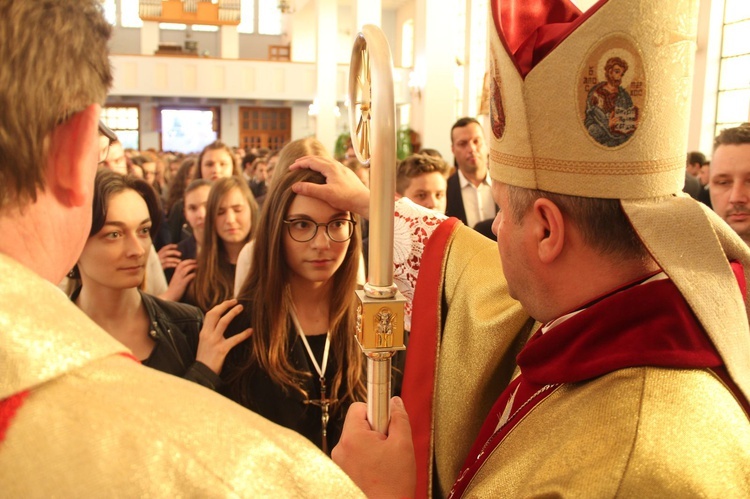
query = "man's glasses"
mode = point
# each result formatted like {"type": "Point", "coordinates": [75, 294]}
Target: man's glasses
{"type": "Point", "coordinates": [106, 132]}
{"type": "Point", "coordinates": [303, 230]}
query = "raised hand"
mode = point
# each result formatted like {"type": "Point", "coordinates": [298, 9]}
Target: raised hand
{"type": "Point", "coordinates": [169, 256]}
{"type": "Point", "coordinates": [184, 272]}
{"type": "Point", "coordinates": [343, 189]}
{"type": "Point", "coordinates": [213, 347]}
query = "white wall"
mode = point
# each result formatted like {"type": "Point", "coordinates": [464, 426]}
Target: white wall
{"type": "Point", "coordinates": [125, 41]}
{"type": "Point", "coordinates": [345, 38]}
{"type": "Point", "coordinates": [389, 26]}
{"type": "Point", "coordinates": [230, 126]}
{"type": "Point", "coordinates": [304, 23]}
{"type": "Point", "coordinates": [149, 136]}
{"type": "Point", "coordinates": [403, 14]}
{"type": "Point", "coordinates": [303, 26]}
{"type": "Point", "coordinates": [252, 46]}
{"type": "Point", "coordinates": [706, 77]}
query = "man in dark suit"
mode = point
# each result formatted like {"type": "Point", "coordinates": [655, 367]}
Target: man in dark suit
{"type": "Point", "coordinates": [469, 193]}
{"type": "Point", "coordinates": [695, 160]}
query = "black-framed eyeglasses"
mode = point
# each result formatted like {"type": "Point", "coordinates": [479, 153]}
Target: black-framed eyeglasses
{"type": "Point", "coordinates": [105, 131]}
{"type": "Point", "coordinates": [303, 230]}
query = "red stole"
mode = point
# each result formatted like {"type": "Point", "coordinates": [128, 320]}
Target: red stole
{"type": "Point", "coordinates": [420, 370]}
{"type": "Point", "coordinates": [646, 325]}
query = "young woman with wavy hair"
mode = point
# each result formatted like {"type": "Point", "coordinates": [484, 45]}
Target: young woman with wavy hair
{"type": "Point", "coordinates": [231, 213]}
{"type": "Point", "coordinates": [171, 337]}
{"type": "Point", "coordinates": [301, 368]}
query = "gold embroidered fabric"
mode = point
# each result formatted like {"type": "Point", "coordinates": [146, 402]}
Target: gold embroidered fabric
{"type": "Point", "coordinates": [98, 424]}
{"type": "Point", "coordinates": [484, 330]}
{"type": "Point", "coordinates": [642, 432]}
{"type": "Point", "coordinates": [553, 131]}
{"type": "Point", "coordinates": [545, 114]}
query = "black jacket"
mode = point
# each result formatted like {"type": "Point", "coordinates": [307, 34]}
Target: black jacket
{"type": "Point", "coordinates": [454, 202]}
{"type": "Point", "coordinates": [454, 206]}
{"type": "Point", "coordinates": [175, 327]}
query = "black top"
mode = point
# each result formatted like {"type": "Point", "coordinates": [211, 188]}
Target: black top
{"type": "Point", "coordinates": [255, 390]}
{"type": "Point", "coordinates": [177, 222]}
{"type": "Point", "coordinates": [258, 188]}
{"type": "Point", "coordinates": [175, 328]}
{"type": "Point", "coordinates": [485, 228]}
{"type": "Point", "coordinates": [454, 202]}
{"type": "Point", "coordinates": [188, 249]}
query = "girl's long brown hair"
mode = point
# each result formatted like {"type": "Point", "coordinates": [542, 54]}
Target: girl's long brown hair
{"type": "Point", "coordinates": [214, 282]}
{"type": "Point", "coordinates": [265, 292]}
{"type": "Point", "coordinates": [179, 182]}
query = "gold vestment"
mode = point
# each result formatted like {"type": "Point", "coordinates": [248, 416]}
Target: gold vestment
{"type": "Point", "coordinates": [97, 424]}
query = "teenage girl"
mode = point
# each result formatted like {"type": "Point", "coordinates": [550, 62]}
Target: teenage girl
{"type": "Point", "coordinates": [301, 367]}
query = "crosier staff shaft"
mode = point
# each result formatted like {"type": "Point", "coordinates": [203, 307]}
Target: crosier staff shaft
{"type": "Point", "coordinates": [380, 319]}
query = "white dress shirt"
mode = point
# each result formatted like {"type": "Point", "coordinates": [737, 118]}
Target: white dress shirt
{"type": "Point", "coordinates": [478, 202]}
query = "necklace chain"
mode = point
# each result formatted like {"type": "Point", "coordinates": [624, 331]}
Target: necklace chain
{"type": "Point", "coordinates": [324, 402]}
{"type": "Point", "coordinates": [318, 368]}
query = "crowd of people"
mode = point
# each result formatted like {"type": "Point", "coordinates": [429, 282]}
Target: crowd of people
{"type": "Point", "coordinates": [605, 353]}
{"type": "Point", "coordinates": [293, 267]}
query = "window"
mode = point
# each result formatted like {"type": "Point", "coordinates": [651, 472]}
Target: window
{"type": "Point", "coordinates": [247, 17]}
{"type": "Point", "coordinates": [204, 27]}
{"type": "Point", "coordinates": [129, 14]}
{"type": "Point", "coordinates": [188, 130]}
{"type": "Point", "coordinates": [461, 33]}
{"type": "Point", "coordinates": [173, 26]}
{"type": "Point", "coordinates": [125, 122]}
{"type": "Point", "coordinates": [110, 11]}
{"type": "Point", "coordinates": [477, 55]}
{"type": "Point", "coordinates": [269, 17]}
{"type": "Point", "coordinates": [407, 44]}
{"type": "Point", "coordinates": [733, 99]}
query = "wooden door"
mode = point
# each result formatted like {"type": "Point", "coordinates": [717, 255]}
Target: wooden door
{"type": "Point", "coordinates": [269, 127]}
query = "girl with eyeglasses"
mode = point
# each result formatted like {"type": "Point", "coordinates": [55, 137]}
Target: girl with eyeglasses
{"type": "Point", "coordinates": [301, 367]}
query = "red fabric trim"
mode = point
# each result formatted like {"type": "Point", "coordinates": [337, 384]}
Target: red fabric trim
{"type": "Point", "coordinates": [739, 274]}
{"type": "Point", "coordinates": [8, 409]}
{"type": "Point", "coordinates": [129, 356]}
{"type": "Point", "coordinates": [531, 30]}
{"type": "Point", "coordinates": [528, 396]}
{"type": "Point", "coordinates": [609, 336]}
{"type": "Point", "coordinates": [646, 325]}
{"type": "Point", "coordinates": [420, 369]}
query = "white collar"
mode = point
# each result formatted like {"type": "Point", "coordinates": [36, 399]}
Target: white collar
{"type": "Point", "coordinates": [463, 181]}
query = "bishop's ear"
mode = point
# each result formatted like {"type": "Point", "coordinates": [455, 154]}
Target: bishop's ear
{"type": "Point", "coordinates": [549, 229]}
{"type": "Point", "coordinates": [73, 157]}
